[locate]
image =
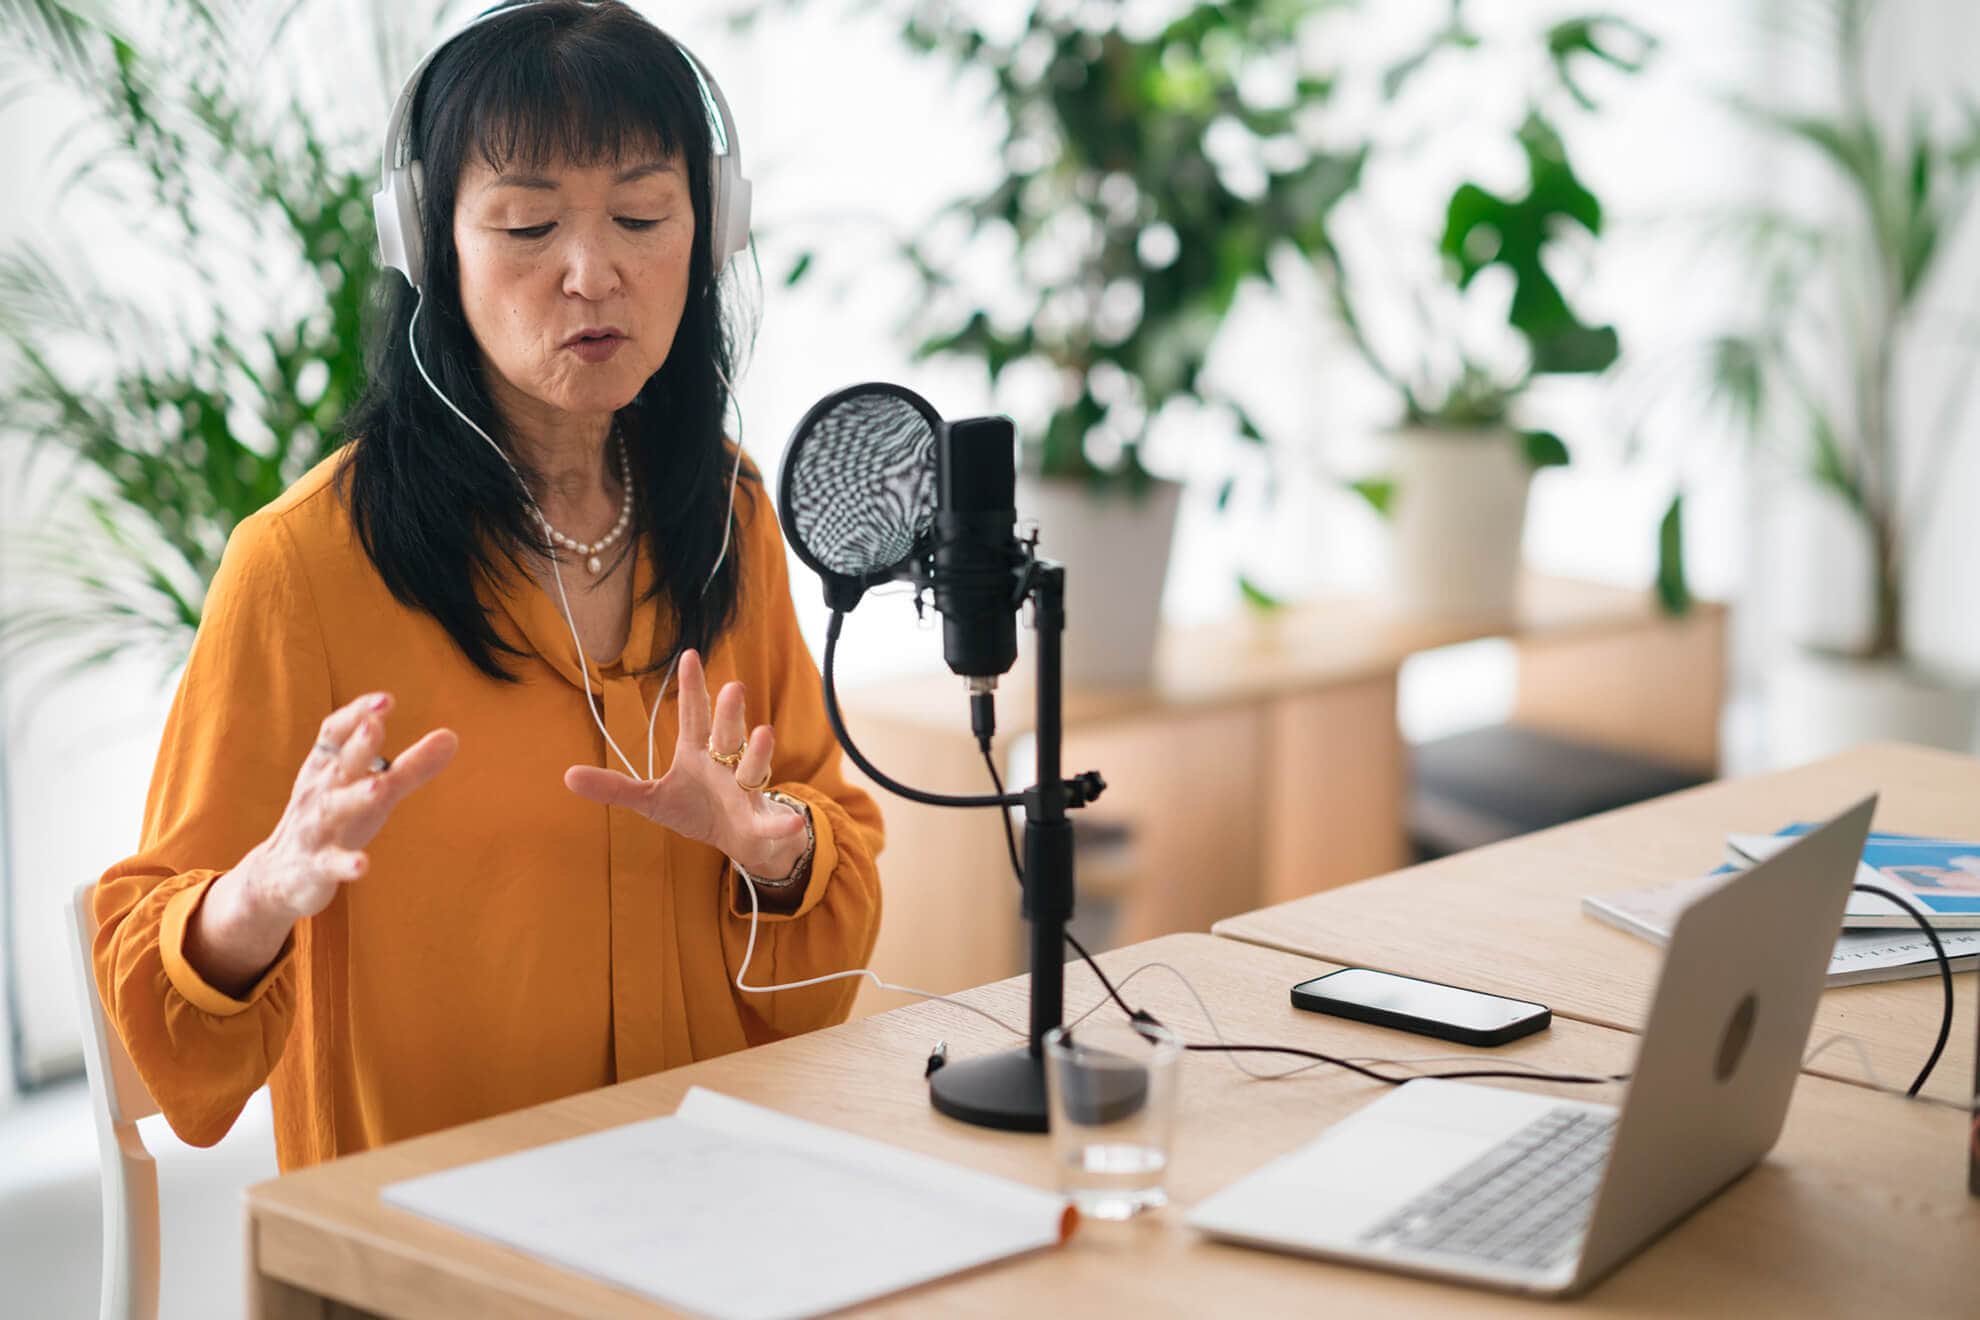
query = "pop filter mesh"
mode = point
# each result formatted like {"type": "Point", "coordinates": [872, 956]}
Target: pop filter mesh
{"type": "Point", "coordinates": [862, 490]}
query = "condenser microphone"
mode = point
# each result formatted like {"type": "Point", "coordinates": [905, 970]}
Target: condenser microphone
{"type": "Point", "coordinates": [977, 553]}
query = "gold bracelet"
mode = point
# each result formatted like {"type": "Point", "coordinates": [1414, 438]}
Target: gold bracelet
{"type": "Point", "coordinates": [800, 872]}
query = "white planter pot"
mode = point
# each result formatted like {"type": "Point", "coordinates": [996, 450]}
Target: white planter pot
{"type": "Point", "coordinates": [1116, 551]}
{"type": "Point", "coordinates": [1458, 518]}
{"type": "Point", "coordinates": [1819, 705]}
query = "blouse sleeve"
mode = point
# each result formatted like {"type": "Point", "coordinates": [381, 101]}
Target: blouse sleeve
{"type": "Point", "coordinates": [254, 691]}
{"type": "Point", "coordinates": [835, 921]}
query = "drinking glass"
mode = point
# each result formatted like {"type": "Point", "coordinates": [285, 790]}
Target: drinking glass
{"type": "Point", "coordinates": [1112, 1088]}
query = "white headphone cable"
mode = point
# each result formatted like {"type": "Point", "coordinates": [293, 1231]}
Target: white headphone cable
{"type": "Point", "coordinates": [556, 571]}
{"type": "Point", "coordinates": [584, 671]}
{"type": "Point", "coordinates": [1876, 1082]}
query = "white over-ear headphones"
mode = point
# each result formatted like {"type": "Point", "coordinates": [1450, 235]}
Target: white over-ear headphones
{"type": "Point", "coordinates": [395, 206]}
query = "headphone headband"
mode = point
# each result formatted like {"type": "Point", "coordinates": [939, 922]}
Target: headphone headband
{"type": "Point", "coordinates": [395, 206]}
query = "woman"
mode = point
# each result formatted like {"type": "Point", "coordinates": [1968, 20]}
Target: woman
{"type": "Point", "coordinates": [383, 867]}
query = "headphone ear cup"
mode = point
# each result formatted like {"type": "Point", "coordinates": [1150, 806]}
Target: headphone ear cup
{"type": "Point", "coordinates": [395, 211]}
{"type": "Point", "coordinates": [728, 212]}
{"type": "Point", "coordinates": [413, 236]}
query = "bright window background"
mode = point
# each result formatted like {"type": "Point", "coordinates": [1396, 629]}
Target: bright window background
{"type": "Point", "coordinates": [848, 136]}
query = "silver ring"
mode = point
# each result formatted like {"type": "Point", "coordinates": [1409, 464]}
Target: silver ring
{"type": "Point", "coordinates": [380, 764]}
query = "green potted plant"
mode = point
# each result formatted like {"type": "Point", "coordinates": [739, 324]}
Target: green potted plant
{"type": "Point", "coordinates": [171, 426]}
{"type": "Point", "coordinates": [1824, 378]}
{"type": "Point", "coordinates": [1137, 189]}
{"type": "Point", "coordinates": [1461, 460]}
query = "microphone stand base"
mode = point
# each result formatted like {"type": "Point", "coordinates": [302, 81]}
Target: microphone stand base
{"type": "Point", "coordinates": [1004, 1091]}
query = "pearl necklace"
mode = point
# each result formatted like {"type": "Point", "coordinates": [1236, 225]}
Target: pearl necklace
{"type": "Point", "coordinates": [591, 552]}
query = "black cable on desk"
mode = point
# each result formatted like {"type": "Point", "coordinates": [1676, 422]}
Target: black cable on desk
{"type": "Point", "coordinates": [1945, 979]}
{"type": "Point", "coordinates": [1143, 1015]}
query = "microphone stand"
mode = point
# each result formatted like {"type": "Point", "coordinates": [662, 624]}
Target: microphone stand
{"type": "Point", "coordinates": [1007, 1090]}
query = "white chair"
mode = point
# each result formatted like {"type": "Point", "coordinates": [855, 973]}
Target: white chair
{"type": "Point", "coordinates": [118, 1098]}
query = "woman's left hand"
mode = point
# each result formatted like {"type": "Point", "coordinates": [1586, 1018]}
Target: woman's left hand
{"type": "Point", "coordinates": [699, 796]}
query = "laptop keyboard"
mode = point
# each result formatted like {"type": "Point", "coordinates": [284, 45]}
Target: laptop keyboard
{"type": "Point", "coordinates": [1525, 1202]}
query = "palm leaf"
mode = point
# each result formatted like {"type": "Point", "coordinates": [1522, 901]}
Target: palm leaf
{"type": "Point", "coordinates": [57, 34]}
{"type": "Point", "coordinates": [180, 421]}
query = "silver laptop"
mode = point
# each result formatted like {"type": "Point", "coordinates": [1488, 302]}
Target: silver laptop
{"type": "Point", "coordinates": [1534, 1194]}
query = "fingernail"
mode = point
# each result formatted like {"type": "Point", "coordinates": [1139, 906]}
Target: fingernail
{"type": "Point", "coordinates": [377, 787]}
{"type": "Point", "coordinates": [381, 701]}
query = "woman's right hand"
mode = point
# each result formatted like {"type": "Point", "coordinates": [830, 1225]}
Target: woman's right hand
{"type": "Point", "coordinates": [338, 804]}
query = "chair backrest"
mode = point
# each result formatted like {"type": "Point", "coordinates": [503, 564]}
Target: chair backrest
{"type": "Point", "coordinates": [118, 1099]}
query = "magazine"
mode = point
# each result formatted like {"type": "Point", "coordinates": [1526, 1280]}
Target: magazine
{"type": "Point", "coordinates": [1860, 955]}
{"type": "Point", "coordinates": [1938, 878]}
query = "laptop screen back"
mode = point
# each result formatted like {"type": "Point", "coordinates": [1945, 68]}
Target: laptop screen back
{"type": "Point", "coordinates": [1728, 1026]}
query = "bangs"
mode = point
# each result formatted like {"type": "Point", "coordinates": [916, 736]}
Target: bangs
{"type": "Point", "coordinates": [583, 98]}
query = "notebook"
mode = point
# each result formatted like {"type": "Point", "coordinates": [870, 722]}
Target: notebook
{"type": "Point", "coordinates": [729, 1209]}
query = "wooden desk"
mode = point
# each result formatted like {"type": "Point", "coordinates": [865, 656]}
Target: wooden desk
{"type": "Point", "coordinates": [1507, 918]}
{"type": "Point", "coordinates": [1861, 1207]}
{"type": "Point", "coordinates": [1262, 763]}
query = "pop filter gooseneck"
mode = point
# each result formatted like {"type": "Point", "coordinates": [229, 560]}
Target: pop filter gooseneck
{"type": "Point", "coordinates": [876, 487]}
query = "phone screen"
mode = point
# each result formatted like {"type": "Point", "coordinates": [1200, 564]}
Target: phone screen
{"type": "Point", "coordinates": [1419, 999]}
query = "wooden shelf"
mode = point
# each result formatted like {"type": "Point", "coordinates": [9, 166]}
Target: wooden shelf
{"type": "Point", "coordinates": [1251, 656]}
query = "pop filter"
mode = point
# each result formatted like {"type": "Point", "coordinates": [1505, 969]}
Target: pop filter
{"type": "Point", "coordinates": [858, 487]}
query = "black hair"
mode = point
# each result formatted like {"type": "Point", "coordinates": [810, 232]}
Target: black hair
{"type": "Point", "coordinates": [437, 512]}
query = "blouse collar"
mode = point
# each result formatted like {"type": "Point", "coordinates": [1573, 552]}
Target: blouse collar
{"type": "Point", "coordinates": [530, 600]}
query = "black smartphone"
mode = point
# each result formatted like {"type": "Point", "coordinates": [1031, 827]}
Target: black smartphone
{"type": "Point", "coordinates": [1428, 1008]}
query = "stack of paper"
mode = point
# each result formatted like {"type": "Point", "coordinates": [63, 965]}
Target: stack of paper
{"type": "Point", "coordinates": [727, 1209]}
{"type": "Point", "coordinates": [1879, 942]}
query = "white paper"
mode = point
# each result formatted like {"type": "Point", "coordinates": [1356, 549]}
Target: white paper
{"type": "Point", "coordinates": [727, 1209]}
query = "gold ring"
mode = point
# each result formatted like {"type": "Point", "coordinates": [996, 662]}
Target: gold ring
{"type": "Point", "coordinates": [757, 787]}
{"type": "Point", "coordinates": [730, 759]}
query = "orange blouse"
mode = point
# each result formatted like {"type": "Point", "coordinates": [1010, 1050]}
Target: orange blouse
{"type": "Point", "coordinates": [511, 942]}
